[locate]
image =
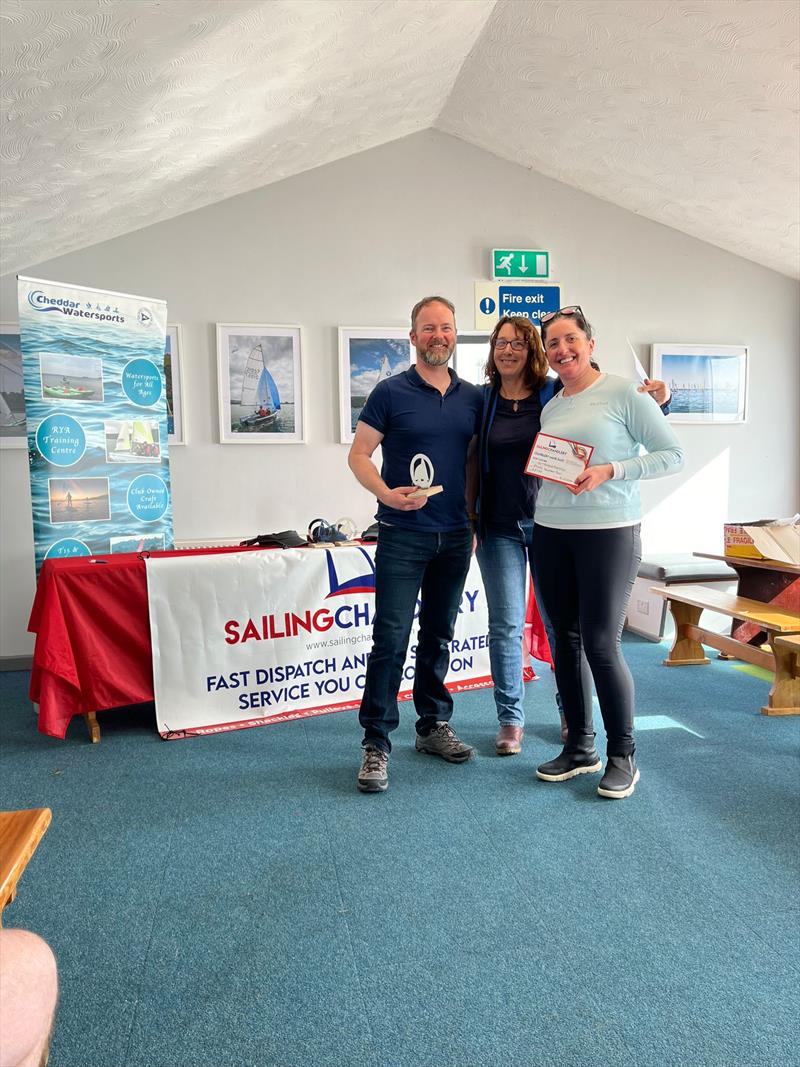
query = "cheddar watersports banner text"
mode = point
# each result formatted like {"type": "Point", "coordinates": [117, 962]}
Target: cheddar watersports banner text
{"type": "Point", "coordinates": [95, 401]}
{"type": "Point", "coordinates": [246, 639]}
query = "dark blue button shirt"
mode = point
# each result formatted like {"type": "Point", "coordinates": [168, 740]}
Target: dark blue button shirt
{"type": "Point", "coordinates": [414, 417]}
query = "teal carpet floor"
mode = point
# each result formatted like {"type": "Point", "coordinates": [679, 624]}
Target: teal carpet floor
{"type": "Point", "coordinates": [233, 901]}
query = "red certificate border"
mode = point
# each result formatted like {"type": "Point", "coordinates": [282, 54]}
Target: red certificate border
{"type": "Point", "coordinates": [569, 441]}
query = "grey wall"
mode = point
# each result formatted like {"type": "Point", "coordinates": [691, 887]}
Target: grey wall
{"type": "Point", "coordinates": [356, 243]}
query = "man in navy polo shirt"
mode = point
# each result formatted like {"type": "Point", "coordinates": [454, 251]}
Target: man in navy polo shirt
{"type": "Point", "coordinates": [424, 543]}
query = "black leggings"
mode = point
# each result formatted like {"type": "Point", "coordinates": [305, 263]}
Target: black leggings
{"type": "Point", "coordinates": [586, 578]}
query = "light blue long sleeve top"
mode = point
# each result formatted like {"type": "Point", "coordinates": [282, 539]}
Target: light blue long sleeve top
{"type": "Point", "coordinates": [615, 419]}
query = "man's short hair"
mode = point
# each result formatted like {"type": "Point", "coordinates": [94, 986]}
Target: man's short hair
{"type": "Point", "coordinates": [424, 303]}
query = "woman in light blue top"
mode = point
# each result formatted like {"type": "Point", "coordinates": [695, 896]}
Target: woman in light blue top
{"type": "Point", "coordinates": [587, 548]}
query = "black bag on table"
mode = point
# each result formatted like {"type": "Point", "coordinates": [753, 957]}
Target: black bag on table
{"type": "Point", "coordinates": [284, 539]}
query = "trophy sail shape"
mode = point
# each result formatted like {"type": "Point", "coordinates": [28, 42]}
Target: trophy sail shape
{"type": "Point", "coordinates": [421, 471]}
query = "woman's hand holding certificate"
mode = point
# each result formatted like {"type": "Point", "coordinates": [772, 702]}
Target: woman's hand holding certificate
{"type": "Point", "coordinates": [557, 459]}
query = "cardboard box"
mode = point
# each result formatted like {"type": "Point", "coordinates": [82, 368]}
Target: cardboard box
{"type": "Point", "coordinates": [773, 539]}
{"type": "Point", "coordinates": [738, 542]}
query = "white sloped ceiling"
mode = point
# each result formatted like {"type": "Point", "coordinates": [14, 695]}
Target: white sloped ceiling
{"type": "Point", "coordinates": [120, 113]}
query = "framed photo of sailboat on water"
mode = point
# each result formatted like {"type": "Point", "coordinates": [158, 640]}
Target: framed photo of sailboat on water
{"type": "Point", "coordinates": [367, 355]}
{"type": "Point", "coordinates": [173, 375]}
{"type": "Point", "coordinates": [708, 382]}
{"type": "Point", "coordinates": [13, 426]}
{"type": "Point", "coordinates": [260, 384]}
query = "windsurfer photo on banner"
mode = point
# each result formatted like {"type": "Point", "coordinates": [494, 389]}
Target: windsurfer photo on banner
{"type": "Point", "coordinates": [259, 382]}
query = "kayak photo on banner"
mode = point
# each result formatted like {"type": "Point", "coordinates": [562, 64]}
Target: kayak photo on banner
{"type": "Point", "coordinates": [96, 407]}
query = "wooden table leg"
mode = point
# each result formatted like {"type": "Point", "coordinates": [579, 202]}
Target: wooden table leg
{"type": "Point", "coordinates": [90, 718]}
{"type": "Point", "coordinates": [784, 697]}
{"type": "Point", "coordinates": [685, 651]}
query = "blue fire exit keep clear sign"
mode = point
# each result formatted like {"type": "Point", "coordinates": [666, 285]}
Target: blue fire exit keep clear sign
{"type": "Point", "coordinates": [530, 301]}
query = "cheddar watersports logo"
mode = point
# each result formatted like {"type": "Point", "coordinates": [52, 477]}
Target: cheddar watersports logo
{"type": "Point", "coordinates": [40, 301]}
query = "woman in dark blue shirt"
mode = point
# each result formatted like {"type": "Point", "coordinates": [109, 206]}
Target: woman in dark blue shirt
{"type": "Point", "coordinates": [512, 405]}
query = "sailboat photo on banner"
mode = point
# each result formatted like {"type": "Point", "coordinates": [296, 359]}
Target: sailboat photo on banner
{"type": "Point", "coordinates": [260, 384]}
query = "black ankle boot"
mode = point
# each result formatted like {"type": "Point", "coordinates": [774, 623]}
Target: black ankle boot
{"type": "Point", "coordinates": [620, 778]}
{"type": "Point", "coordinates": [577, 757]}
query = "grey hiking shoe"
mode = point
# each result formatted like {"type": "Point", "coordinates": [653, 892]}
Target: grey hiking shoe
{"type": "Point", "coordinates": [442, 741]}
{"type": "Point", "coordinates": [373, 776]}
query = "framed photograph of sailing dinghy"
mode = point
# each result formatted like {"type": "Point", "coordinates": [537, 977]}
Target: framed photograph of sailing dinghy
{"type": "Point", "coordinates": [260, 384]}
{"type": "Point", "coordinates": [13, 427]}
{"type": "Point", "coordinates": [708, 382]}
{"type": "Point", "coordinates": [173, 375]}
{"type": "Point", "coordinates": [367, 355]}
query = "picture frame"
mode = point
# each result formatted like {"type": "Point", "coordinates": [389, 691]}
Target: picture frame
{"type": "Point", "coordinates": [260, 384]}
{"type": "Point", "coordinates": [472, 353]}
{"type": "Point", "coordinates": [173, 376]}
{"type": "Point", "coordinates": [367, 355]}
{"type": "Point", "coordinates": [708, 383]}
{"type": "Point", "coordinates": [13, 424]}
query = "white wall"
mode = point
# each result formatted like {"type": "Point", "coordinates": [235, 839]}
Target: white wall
{"type": "Point", "coordinates": [357, 242]}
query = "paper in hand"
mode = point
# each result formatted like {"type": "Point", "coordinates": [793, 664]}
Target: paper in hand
{"type": "Point", "coordinates": [639, 370]}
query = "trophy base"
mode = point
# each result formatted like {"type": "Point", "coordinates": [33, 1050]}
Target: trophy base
{"type": "Point", "coordinates": [430, 491]}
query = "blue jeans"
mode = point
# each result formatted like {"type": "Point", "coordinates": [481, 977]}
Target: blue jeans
{"type": "Point", "coordinates": [504, 559]}
{"type": "Point", "coordinates": [407, 561]}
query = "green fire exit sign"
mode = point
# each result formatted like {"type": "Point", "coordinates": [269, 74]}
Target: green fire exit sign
{"type": "Point", "coordinates": [520, 263]}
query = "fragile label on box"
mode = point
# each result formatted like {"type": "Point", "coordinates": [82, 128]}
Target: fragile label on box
{"type": "Point", "coordinates": [738, 542]}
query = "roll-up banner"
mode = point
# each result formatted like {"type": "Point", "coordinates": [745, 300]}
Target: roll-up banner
{"type": "Point", "coordinates": [96, 406]}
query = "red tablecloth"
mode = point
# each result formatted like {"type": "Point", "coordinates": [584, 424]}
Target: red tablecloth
{"type": "Point", "coordinates": [92, 626]}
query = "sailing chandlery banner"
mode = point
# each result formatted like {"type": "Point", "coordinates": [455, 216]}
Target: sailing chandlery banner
{"type": "Point", "coordinates": [95, 400]}
{"type": "Point", "coordinates": [246, 639]}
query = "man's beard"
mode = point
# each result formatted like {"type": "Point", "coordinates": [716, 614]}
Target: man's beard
{"type": "Point", "coordinates": [438, 358]}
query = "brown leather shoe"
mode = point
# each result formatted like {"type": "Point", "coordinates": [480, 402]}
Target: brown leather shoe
{"type": "Point", "coordinates": [509, 741]}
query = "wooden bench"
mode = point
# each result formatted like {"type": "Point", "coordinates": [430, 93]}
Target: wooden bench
{"type": "Point", "coordinates": [20, 833]}
{"type": "Point", "coordinates": [786, 692]}
{"type": "Point", "coordinates": [687, 602]}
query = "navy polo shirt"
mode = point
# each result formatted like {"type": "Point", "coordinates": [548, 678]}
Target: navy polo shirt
{"type": "Point", "coordinates": [414, 417]}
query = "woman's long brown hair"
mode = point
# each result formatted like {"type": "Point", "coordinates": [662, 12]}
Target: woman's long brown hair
{"type": "Point", "coordinates": [536, 364]}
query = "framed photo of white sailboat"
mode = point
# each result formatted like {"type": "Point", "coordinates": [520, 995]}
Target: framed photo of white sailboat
{"type": "Point", "coordinates": [173, 374]}
{"type": "Point", "coordinates": [367, 355]}
{"type": "Point", "coordinates": [13, 427]}
{"type": "Point", "coordinates": [260, 384]}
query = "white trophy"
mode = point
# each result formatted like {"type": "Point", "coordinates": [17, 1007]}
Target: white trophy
{"type": "Point", "coordinates": [421, 470]}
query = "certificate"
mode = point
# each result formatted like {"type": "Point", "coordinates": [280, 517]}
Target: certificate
{"type": "Point", "coordinates": [557, 459]}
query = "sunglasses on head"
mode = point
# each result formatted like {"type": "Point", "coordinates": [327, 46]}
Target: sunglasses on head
{"type": "Point", "coordinates": [574, 309]}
